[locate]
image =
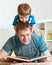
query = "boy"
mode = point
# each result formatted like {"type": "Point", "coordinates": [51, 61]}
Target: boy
{"type": "Point", "coordinates": [24, 14]}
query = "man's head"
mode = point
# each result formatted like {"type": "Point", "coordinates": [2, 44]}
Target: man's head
{"type": "Point", "coordinates": [23, 31]}
{"type": "Point", "coordinates": [24, 11]}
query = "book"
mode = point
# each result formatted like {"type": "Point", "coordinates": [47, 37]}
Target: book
{"type": "Point", "coordinates": [24, 59]}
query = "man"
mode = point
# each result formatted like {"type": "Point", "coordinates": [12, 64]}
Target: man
{"type": "Point", "coordinates": [25, 43]}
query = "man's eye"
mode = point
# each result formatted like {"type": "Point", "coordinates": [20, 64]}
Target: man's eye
{"type": "Point", "coordinates": [27, 34]}
{"type": "Point", "coordinates": [22, 35]}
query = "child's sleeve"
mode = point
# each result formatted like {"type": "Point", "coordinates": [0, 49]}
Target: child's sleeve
{"type": "Point", "coordinates": [16, 19]}
{"type": "Point", "coordinates": [32, 19]}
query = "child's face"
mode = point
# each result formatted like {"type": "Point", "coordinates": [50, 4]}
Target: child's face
{"type": "Point", "coordinates": [24, 18]}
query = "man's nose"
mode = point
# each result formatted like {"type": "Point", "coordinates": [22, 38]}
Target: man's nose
{"type": "Point", "coordinates": [26, 37]}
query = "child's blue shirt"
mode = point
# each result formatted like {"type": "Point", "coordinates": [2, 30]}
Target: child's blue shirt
{"type": "Point", "coordinates": [31, 19]}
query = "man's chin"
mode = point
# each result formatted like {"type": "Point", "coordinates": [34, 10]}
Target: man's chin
{"type": "Point", "coordinates": [26, 42]}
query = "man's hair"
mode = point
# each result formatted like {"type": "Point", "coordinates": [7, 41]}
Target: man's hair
{"type": "Point", "coordinates": [24, 9]}
{"type": "Point", "coordinates": [23, 26]}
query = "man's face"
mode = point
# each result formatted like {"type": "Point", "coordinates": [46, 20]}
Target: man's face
{"type": "Point", "coordinates": [24, 35]}
{"type": "Point", "coordinates": [24, 18]}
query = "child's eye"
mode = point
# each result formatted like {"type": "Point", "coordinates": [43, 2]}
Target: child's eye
{"type": "Point", "coordinates": [21, 17]}
{"type": "Point", "coordinates": [25, 17]}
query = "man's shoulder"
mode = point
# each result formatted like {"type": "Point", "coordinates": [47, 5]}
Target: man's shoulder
{"type": "Point", "coordinates": [12, 37]}
{"type": "Point", "coordinates": [36, 36]}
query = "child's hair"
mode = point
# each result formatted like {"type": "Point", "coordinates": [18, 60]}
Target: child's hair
{"type": "Point", "coordinates": [24, 9]}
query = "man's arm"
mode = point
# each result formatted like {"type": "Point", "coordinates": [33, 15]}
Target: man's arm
{"type": "Point", "coordinates": [3, 55]}
{"type": "Point", "coordinates": [43, 46]}
{"type": "Point", "coordinates": [49, 58]}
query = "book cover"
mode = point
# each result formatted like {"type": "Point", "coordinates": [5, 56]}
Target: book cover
{"type": "Point", "coordinates": [23, 59]}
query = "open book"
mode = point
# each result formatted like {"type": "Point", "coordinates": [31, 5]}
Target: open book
{"type": "Point", "coordinates": [24, 59]}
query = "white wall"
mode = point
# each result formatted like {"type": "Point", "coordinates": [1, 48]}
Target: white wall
{"type": "Point", "coordinates": [41, 9]}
